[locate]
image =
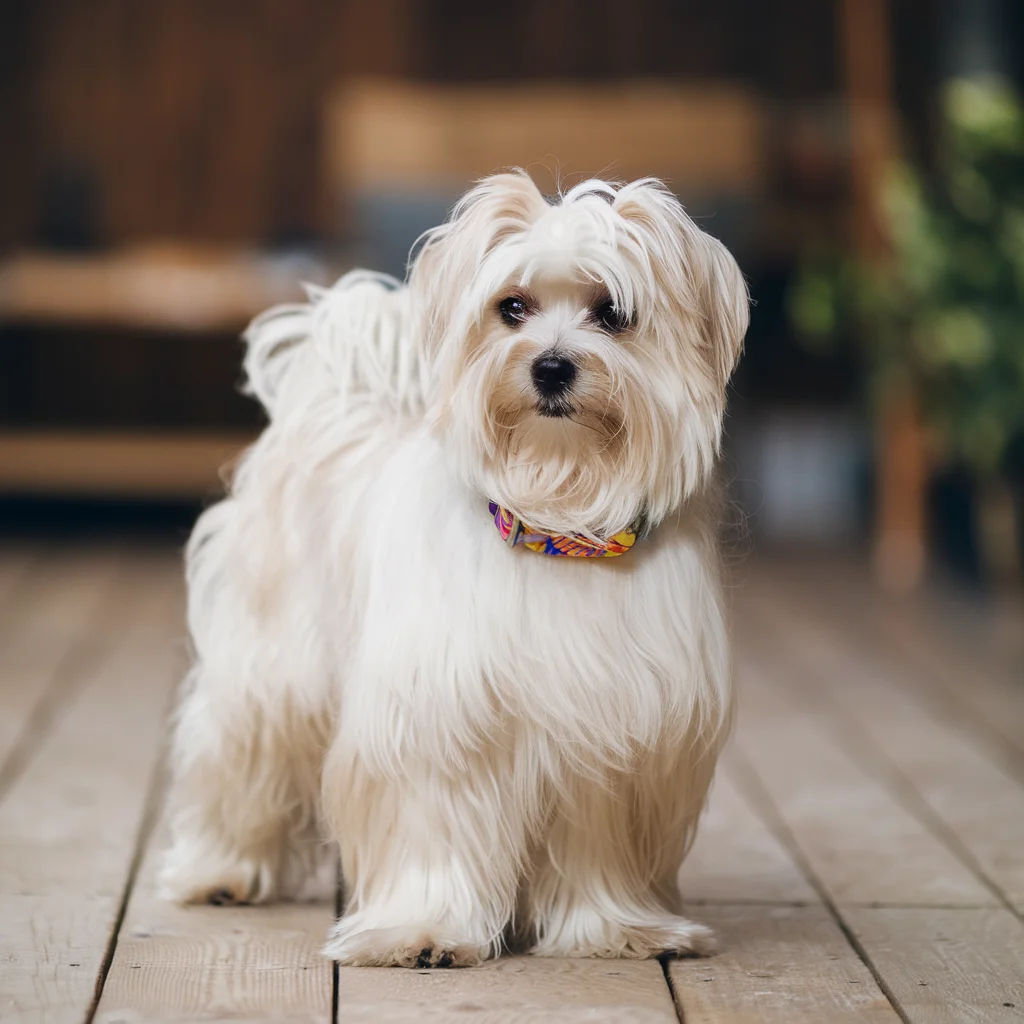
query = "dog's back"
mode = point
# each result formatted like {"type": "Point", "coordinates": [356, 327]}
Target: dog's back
{"type": "Point", "coordinates": [349, 343]}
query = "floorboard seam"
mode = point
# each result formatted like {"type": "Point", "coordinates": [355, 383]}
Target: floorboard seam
{"type": "Point", "coordinates": [763, 805]}
{"type": "Point", "coordinates": [677, 1005]}
{"type": "Point", "coordinates": [853, 904]}
{"type": "Point", "coordinates": [335, 970]}
{"type": "Point", "coordinates": [875, 762]}
{"type": "Point", "coordinates": [915, 804]}
{"type": "Point", "coordinates": [82, 655]}
{"type": "Point", "coordinates": [155, 793]}
{"type": "Point", "coordinates": [943, 697]}
{"type": "Point", "coordinates": [940, 695]}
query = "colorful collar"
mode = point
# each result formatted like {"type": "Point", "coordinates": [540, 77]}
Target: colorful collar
{"type": "Point", "coordinates": [514, 531]}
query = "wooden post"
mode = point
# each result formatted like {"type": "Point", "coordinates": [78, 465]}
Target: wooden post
{"type": "Point", "coordinates": [899, 550]}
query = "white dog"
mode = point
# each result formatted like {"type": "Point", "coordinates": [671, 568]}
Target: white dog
{"type": "Point", "coordinates": [507, 747]}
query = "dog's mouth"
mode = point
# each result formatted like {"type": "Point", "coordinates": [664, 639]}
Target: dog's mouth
{"type": "Point", "coordinates": [554, 408]}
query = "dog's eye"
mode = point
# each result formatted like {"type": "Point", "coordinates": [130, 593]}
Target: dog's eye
{"type": "Point", "coordinates": [611, 318]}
{"type": "Point", "coordinates": [513, 310]}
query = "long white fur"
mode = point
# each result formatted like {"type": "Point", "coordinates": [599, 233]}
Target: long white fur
{"type": "Point", "coordinates": [506, 747]}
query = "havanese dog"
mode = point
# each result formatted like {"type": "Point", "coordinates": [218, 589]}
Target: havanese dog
{"type": "Point", "coordinates": [462, 612]}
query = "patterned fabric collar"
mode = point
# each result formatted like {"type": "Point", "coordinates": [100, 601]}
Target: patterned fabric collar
{"type": "Point", "coordinates": [514, 532]}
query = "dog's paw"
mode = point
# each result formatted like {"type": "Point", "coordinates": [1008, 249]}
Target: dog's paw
{"type": "Point", "coordinates": [224, 897]}
{"type": "Point", "coordinates": [671, 938]}
{"type": "Point", "coordinates": [692, 941]}
{"type": "Point", "coordinates": [222, 890]}
{"type": "Point", "coordinates": [220, 881]}
{"type": "Point", "coordinates": [396, 947]}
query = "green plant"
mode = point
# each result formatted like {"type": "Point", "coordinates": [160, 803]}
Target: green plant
{"type": "Point", "coordinates": [944, 311]}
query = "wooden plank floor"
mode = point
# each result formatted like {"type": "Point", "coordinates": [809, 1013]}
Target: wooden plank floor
{"type": "Point", "coordinates": [862, 858]}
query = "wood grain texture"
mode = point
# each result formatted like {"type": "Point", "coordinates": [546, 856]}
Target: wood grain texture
{"type": "Point", "coordinates": [951, 655]}
{"type": "Point", "coordinates": [860, 841]}
{"type": "Point", "coordinates": [69, 823]}
{"type": "Point", "coordinates": [177, 288]}
{"type": "Point", "coordinates": [947, 966]}
{"type": "Point", "coordinates": [778, 965]}
{"type": "Point", "coordinates": [218, 963]}
{"type": "Point", "coordinates": [402, 135]}
{"type": "Point", "coordinates": [965, 676]}
{"type": "Point", "coordinates": [263, 963]}
{"type": "Point", "coordinates": [736, 859]}
{"type": "Point", "coordinates": [174, 963]}
{"type": "Point", "coordinates": [989, 628]}
{"type": "Point", "coordinates": [189, 120]}
{"type": "Point", "coordinates": [135, 464]}
{"type": "Point", "coordinates": [47, 607]}
{"type": "Point", "coordinates": [525, 990]}
{"type": "Point", "coordinates": [46, 626]}
{"type": "Point", "coordinates": [928, 757]}
{"type": "Point", "coordinates": [201, 963]}
{"type": "Point", "coordinates": [879, 763]}
{"type": "Point", "coordinates": [844, 783]}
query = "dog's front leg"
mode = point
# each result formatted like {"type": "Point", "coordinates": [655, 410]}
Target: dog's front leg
{"type": "Point", "coordinates": [605, 882]}
{"type": "Point", "coordinates": [431, 857]}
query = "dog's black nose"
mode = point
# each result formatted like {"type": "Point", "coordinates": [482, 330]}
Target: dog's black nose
{"type": "Point", "coordinates": [552, 375]}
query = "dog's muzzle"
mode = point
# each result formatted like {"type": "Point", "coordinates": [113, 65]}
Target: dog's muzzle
{"type": "Point", "coordinates": [552, 377]}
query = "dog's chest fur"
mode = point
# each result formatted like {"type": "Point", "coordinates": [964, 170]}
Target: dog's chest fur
{"type": "Point", "coordinates": [437, 628]}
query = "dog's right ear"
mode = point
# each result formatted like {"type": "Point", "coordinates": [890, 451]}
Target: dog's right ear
{"type": "Point", "coordinates": [695, 268]}
{"type": "Point", "coordinates": [449, 257]}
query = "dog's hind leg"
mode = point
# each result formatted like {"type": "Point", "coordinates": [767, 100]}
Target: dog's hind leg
{"type": "Point", "coordinates": [248, 739]}
{"type": "Point", "coordinates": [243, 811]}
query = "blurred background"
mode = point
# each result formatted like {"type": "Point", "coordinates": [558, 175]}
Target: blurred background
{"type": "Point", "coordinates": [174, 166]}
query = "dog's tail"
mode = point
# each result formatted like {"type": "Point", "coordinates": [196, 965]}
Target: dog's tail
{"type": "Point", "coordinates": [352, 340]}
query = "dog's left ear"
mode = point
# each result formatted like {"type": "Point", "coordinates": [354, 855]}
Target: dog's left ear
{"type": "Point", "coordinates": [450, 256]}
{"type": "Point", "coordinates": [724, 301]}
{"type": "Point", "coordinates": [694, 268]}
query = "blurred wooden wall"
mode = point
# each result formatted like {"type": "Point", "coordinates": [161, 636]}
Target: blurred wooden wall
{"type": "Point", "coordinates": [202, 119]}
{"type": "Point", "coordinates": [195, 118]}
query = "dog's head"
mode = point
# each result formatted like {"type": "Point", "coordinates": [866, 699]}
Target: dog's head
{"type": "Point", "coordinates": [579, 351]}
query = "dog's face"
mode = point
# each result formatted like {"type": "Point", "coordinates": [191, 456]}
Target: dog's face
{"type": "Point", "coordinates": [580, 351]}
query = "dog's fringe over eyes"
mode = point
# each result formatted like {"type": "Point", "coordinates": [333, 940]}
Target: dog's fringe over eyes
{"type": "Point", "coordinates": [506, 748]}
